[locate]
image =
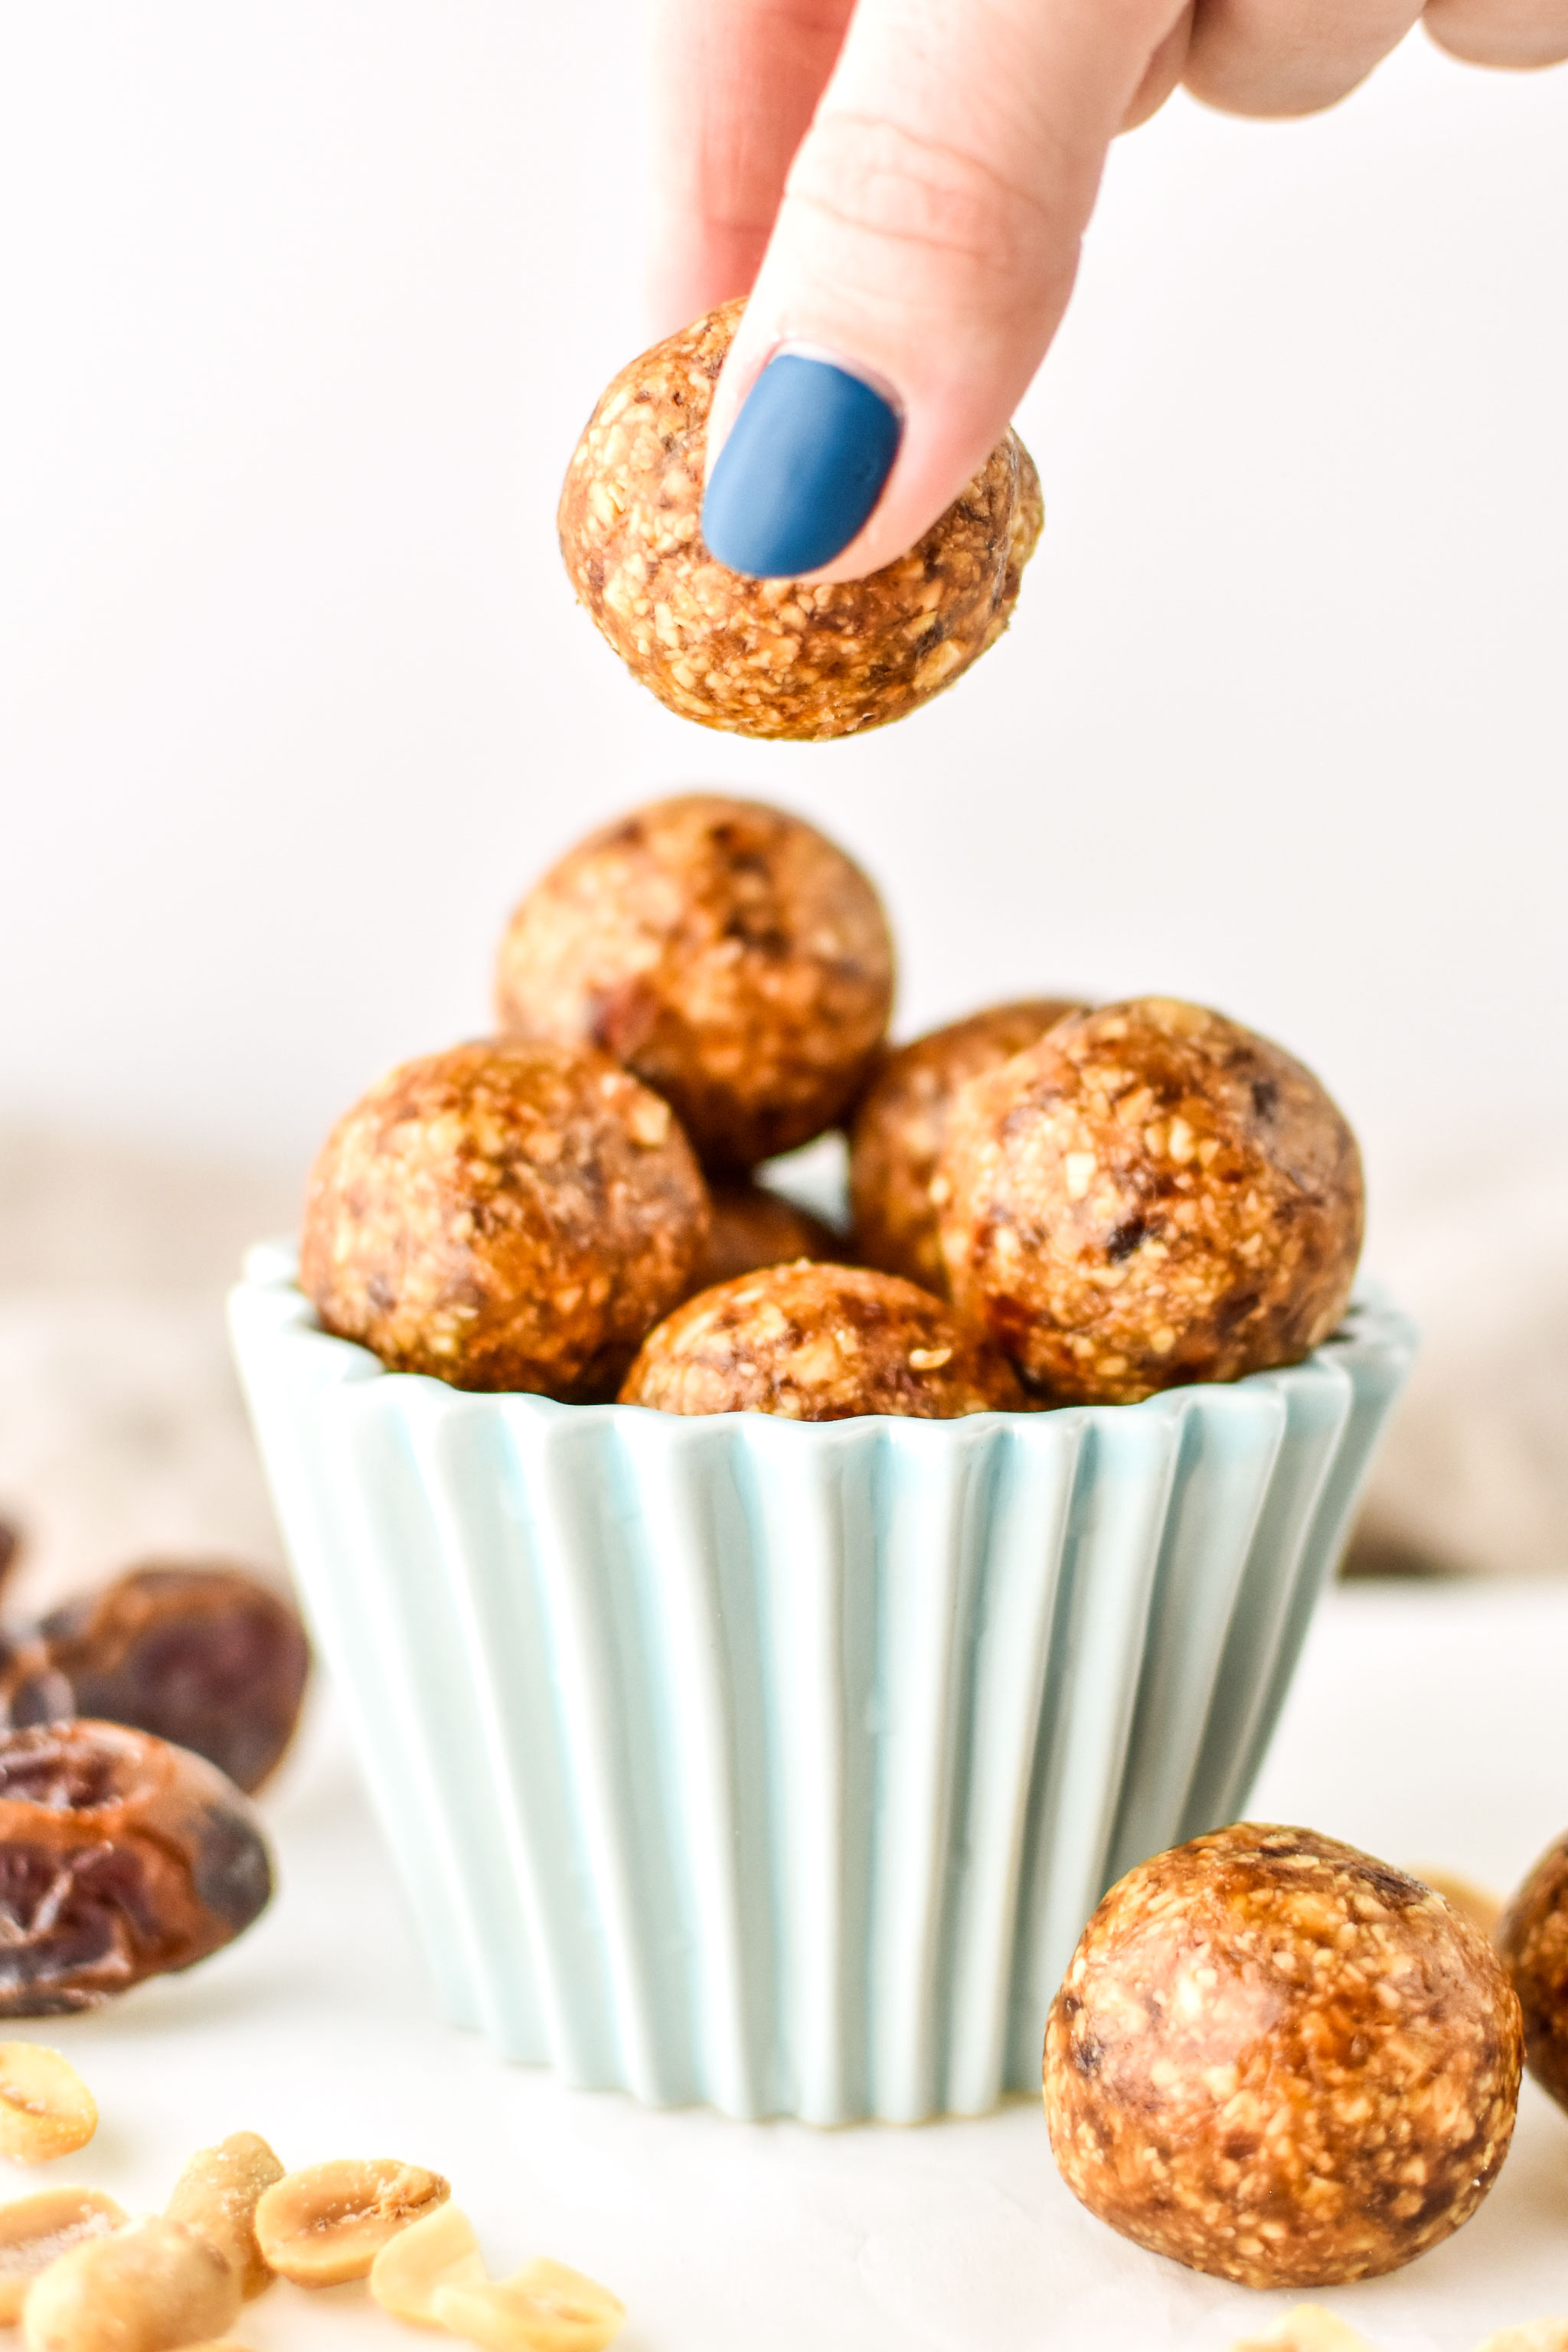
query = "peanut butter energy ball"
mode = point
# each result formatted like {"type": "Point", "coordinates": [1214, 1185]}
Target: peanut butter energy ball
{"type": "Point", "coordinates": [510, 1215]}
{"type": "Point", "coordinates": [816, 1343]}
{"type": "Point", "coordinates": [900, 1125]}
{"type": "Point", "coordinates": [1150, 1195]}
{"type": "Point", "coordinates": [1532, 1937]}
{"type": "Point", "coordinates": [773, 658]}
{"type": "Point", "coordinates": [752, 1227]}
{"type": "Point", "coordinates": [1280, 2062]}
{"type": "Point", "coordinates": [726, 952]}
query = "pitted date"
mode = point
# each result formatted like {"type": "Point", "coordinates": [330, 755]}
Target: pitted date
{"type": "Point", "coordinates": [121, 1857]}
{"type": "Point", "coordinates": [208, 1658]}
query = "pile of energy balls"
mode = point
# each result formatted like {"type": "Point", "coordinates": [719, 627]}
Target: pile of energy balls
{"type": "Point", "coordinates": [1053, 1203]}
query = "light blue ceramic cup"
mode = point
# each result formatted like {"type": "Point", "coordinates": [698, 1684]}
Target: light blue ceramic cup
{"type": "Point", "coordinates": [778, 1764]}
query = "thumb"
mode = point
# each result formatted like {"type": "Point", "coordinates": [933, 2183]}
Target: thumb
{"type": "Point", "coordinates": [921, 259]}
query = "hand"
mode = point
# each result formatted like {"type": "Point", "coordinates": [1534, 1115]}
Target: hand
{"type": "Point", "coordinates": [902, 186]}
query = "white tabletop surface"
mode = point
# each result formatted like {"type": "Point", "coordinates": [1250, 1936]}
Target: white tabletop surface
{"type": "Point", "coordinates": [1427, 1724]}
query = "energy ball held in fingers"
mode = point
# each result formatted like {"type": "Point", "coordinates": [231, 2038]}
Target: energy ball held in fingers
{"type": "Point", "coordinates": [728, 954]}
{"type": "Point", "coordinates": [514, 1214]}
{"type": "Point", "coordinates": [1150, 1195]}
{"type": "Point", "coordinates": [818, 1343]}
{"type": "Point", "coordinates": [901, 1123]}
{"type": "Point", "coordinates": [1280, 2062]}
{"type": "Point", "coordinates": [773, 658]}
{"type": "Point", "coordinates": [1532, 1937]}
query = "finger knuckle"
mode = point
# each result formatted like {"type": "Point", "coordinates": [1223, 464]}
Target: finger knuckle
{"type": "Point", "coordinates": [880, 181]}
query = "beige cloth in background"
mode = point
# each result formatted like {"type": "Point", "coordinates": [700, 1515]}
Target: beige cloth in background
{"type": "Point", "coordinates": [122, 1432]}
{"type": "Point", "coordinates": [1473, 1475]}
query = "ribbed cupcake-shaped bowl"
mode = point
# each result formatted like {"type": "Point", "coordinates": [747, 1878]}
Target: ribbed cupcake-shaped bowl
{"type": "Point", "coordinates": [778, 1764]}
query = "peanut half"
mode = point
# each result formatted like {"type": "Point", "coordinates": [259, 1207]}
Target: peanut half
{"type": "Point", "coordinates": [1308, 2329]}
{"type": "Point", "coordinates": [1534, 2336]}
{"type": "Point", "coordinates": [147, 2288]}
{"type": "Point", "coordinates": [218, 2192]}
{"type": "Point", "coordinates": [543, 2307]}
{"type": "Point", "coordinates": [35, 2230]}
{"type": "Point", "coordinates": [440, 2251]}
{"type": "Point", "coordinates": [1479, 1904]}
{"type": "Point", "coordinates": [329, 2222]}
{"type": "Point", "coordinates": [46, 2108]}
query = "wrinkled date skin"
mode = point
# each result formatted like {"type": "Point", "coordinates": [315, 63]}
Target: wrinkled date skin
{"type": "Point", "coordinates": [209, 1658]}
{"type": "Point", "coordinates": [121, 1858]}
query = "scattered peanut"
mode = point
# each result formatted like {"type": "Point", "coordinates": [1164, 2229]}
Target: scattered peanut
{"type": "Point", "coordinates": [147, 2288]}
{"type": "Point", "coordinates": [46, 2108]}
{"type": "Point", "coordinates": [35, 2230]}
{"type": "Point", "coordinates": [1476, 1904]}
{"type": "Point", "coordinates": [1308, 2329]}
{"type": "Point", "coordinates": [1534, 2336]}
{"type": "Point", "coordinates": [543, 2307]}
{"type": "Point", "coordinates": [440, 2251]}
{"type": "Point", "coordinates": [328, 2223]}
{"type": "Point", "coordinates": [217, 2193]}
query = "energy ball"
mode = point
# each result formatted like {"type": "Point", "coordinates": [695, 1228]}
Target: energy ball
{"type": "Point", "coordinates": [514, 1214]}
{"type": "Point", "coordinates": [816, 1343]}
{"type": "Point", "coordinates": [729, 954]}
{"type": "Point", "coordinates": [1280, 2062]}
{"type": "Point", "coordinates": [752, 1227]}
{"type": "Point", "coordinates": [773, 658]}
{"type": "Point", "coordinates": [901, 1123]}
{"type": "Point", "coordinates": [1532, 1937]}
{"type": "Point", "coordinates": [1150, 1195]}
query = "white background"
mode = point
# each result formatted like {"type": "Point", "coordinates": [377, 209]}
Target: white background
{"type": "Point", "coordinates": [301, 307]}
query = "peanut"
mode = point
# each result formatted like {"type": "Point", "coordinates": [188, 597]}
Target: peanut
{"type": "Point", "coordinates": [440, 2251]}
{"type": "Point", "coordinates": [1534, 2336]}
{"type": "Point", "coordinates": [1307, 2329]}
{"type": "Point", "coordinates": [328, 2223]}
{"type": "Point", "coordinates": [218, 2194]}
{"type": "Point", "coordinates": [46, 2108]}
{"type": "Point", "coordinates": [1479, 1904]}
{"type": "Point", "coordinates": [543, 2307]}
{"type": "Point", "coordinates": [35, 2230]}
{"type": "Point", "coordinates": [147, 2288]}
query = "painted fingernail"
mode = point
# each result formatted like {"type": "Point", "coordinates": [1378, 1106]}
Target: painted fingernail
{"type": "Point", "coordinates": [802, 469]}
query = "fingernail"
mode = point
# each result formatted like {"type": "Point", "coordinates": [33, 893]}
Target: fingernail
{"type": "Point", "coordinates": [802, 469]}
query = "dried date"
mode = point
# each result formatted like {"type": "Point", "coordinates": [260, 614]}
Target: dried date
{"type": "Point", "coordinates": [32, 1688]}
{"type": "Point", "coordinates": [206, 1657]}
{"type": "Point", "coordinates": [121, 1857]}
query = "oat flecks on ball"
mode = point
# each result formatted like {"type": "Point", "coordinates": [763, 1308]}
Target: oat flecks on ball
{"type": "Point", "coordinates": [508, 1215]}
{"type": "Point", "coordinates": [728, 954]}
{"type": "Point", "coordinates": [1280, 2062]}
{"type": "Point", "coordinates": [902, 1124]}
{"type": "Point", "coordinates": [1150, 1195]}
{"type": "Point", "coordinates": [773, 658]}
{"type": "Point", "coordinates": [1532, 1937]}
{"type": "Point", "coordinates": [816, 1343]}
{"type": "Point", "coordinates": [752, 1227]}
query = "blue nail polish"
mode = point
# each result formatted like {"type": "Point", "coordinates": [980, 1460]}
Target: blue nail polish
{"type": "Point", "coordinates": [802, 469]}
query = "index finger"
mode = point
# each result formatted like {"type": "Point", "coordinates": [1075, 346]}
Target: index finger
{"type": "Point", "coordinates": [734, 86]}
